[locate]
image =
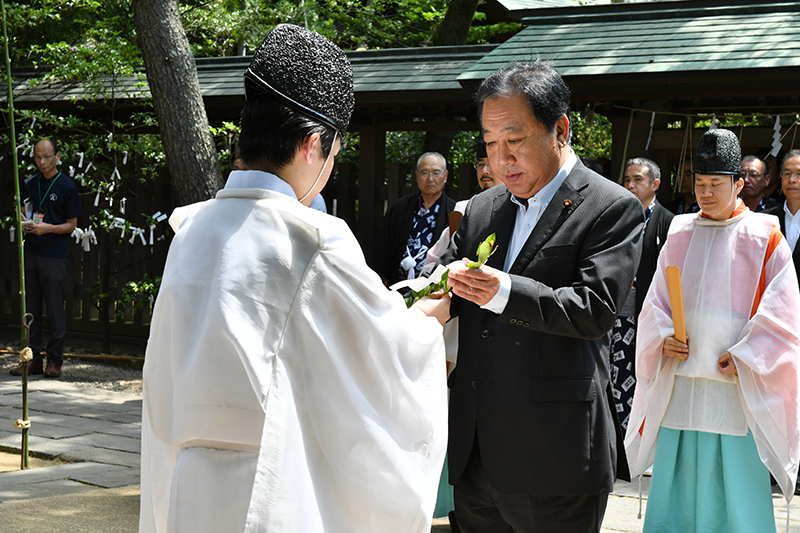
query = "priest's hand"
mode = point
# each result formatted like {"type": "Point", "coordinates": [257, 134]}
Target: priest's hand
{"type": "Point", "coordinates": [436, 305]}
{"type": "Point", "coordinates": [672, 347]}
{"type": "Point", "coordinates": [726, 364]}
{"type": "Point", "coordinates": [478, 285]}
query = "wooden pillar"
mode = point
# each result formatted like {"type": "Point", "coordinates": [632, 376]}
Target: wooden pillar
{"type": "Point", "coordinates": [371, 184]}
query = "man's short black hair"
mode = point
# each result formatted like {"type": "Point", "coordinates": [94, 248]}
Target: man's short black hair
{"type": "Point", "coordinates": [272, 132]}
{"type": "Point", "coordinates": [52, 141]}
{"type": "Point", "coordinates": [653, 170]}
{"type": "Point", "coordinates": [539, 82]}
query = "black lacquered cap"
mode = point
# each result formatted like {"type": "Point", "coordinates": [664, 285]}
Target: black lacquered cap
{"type": "Point", "coordinates": [718, 152]}
{"type": "Point", "coordinates": [305, 71]}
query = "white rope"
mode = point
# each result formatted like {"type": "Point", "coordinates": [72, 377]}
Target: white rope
{"type": "Point", "coordinates": [639, 516]}
{"type": "Point", "coordinates": [787, 517]}
{"type": "Point", "coordinates": [319, 176]}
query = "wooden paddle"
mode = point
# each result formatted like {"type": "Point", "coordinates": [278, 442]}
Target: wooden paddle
{"type": "Point", "coordinates": [676, 302]}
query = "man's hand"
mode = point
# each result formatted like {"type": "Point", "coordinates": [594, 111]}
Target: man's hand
{"type": "Point", "coordinates": [726, 364]}
{"type": "Point", "coordinates": [40, 229]}
{"type": "Point", "coordinates": [672, 347]}
{"type": "Point", "coordinates": [436, 305]}
{"type": "Point", "coordinates": [60, 229]}
{"type": "Point", "coordinates": [476, 285]}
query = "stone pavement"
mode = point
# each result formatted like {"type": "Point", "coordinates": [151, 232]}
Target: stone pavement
{"type": "Point", "coordinates": [96, 434]}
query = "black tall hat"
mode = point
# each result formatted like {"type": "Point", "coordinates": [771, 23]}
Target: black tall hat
{"type": "Point", "coordinates": [718, 152]}
{"type": "Point", "coordinates": [305, 71]}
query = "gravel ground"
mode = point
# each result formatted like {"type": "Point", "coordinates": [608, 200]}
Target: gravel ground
{"type": "Point", "coordinates": [116, 375]}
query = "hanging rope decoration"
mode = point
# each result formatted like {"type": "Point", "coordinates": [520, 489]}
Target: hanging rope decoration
{"type": "Point", "coordinates": [685, 147]}
{"type": "Point", "coordinates": [22, 424]}
{"type": "Point", "coordinates": [625, 151]}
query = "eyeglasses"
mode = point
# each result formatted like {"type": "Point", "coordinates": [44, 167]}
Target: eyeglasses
{"type": "Point", "coordinates": [481, 166]}
{"type": "Point", "coordinates": [787, 174]}
{"type": "Point", "coordinates": [427, 173]}
{"type": "Point", "coordinates": [42, 157]}
{"type": "Point", "coordinates": [751, 174]}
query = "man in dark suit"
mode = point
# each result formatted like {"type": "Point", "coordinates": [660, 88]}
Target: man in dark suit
{"type": "Point", "coordinates": [642, 178]}
{"type": "Point", "coordinates": [534, 444]}
{"type": "Point", "coordinates": [790, 187]}
{"type": "Point", "coordinates": [414, 223]}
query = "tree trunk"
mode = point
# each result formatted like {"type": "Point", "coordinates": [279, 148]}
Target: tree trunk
{"type": "Point", "coordinates": [172, 76]}
{"type": "Point", "coordinates": [454, 29]}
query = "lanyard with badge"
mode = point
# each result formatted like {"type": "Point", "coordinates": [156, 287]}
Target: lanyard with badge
{"type": "Point", "coordinates": [40, 213]}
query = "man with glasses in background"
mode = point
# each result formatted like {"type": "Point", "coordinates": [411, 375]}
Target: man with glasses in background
{"type": "Point", "coordinates": [756, 179]}
{"type": "Point", "coordinates": [52, 208]}
{"type": "Point", "coordinates": [414, 223]}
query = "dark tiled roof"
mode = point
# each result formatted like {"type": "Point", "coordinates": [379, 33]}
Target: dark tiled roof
{"type": "Point", "coordinates": [663, 41]}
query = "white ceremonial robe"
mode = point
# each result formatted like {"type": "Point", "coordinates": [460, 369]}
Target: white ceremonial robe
{"type": "Point", "coordinates": [720, 264]}
{"type": "Point", "coordinates": [285, 388]}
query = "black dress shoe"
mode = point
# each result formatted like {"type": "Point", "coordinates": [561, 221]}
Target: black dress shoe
{"type": "Point", "coordinates": [34, 367]}
{"type": "Point", "coordinates": [53, 369]}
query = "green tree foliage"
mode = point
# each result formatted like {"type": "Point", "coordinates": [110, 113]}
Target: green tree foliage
{"type": "Point", "coordinates": [234, 27]}
{"type": "Point", "coordinates": [591, 134]}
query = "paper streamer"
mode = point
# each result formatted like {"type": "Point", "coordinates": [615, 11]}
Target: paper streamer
{"type": "Point", "coordinates": [80, 160]}
{"type": "Point", "coordinates": [776, 137]}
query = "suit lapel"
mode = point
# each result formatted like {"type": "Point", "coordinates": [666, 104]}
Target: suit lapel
{"type": "Point", "coordinates": [504, 213]}
{"type": "Point", "coordinates": [565, 201]}
{"type": "Point", "coordinates": [781, 214]}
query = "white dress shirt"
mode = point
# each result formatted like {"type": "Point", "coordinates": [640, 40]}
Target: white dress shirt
{"type": "Point", "coordinates": [792, 226]}
{"type": "Point", "coordinates": [526, 220]}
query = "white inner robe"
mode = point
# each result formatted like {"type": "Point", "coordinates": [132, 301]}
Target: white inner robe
{"type": "Point", "coordinates": [285, 388]}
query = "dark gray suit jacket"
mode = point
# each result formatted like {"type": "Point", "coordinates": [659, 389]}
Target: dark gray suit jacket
{"type": "Point", "coordinates": [655, 235]}
{"type": "Point", "coordinates": [781, 214]}
{"type": "Point", "coordinates": [533, 383]}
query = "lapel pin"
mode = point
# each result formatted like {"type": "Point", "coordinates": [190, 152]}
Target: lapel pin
{"type": "Point", "coordinates": [567, 203]}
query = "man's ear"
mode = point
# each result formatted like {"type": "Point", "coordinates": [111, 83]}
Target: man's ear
{"type": "Point", "coordinates": [562, 130]}
{"type": "Point", "coordinates": [306, 150]}
{"type": "Point", "coordinates": [656, 184]}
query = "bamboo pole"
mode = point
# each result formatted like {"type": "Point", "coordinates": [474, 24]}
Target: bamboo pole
{"type": "Point", "coordinates": [20, 242]}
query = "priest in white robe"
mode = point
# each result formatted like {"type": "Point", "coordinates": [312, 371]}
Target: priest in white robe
{"type": "Point", "coordinates": [285, 389]}
{"type": "Point", "coordinates": [717, 414]}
